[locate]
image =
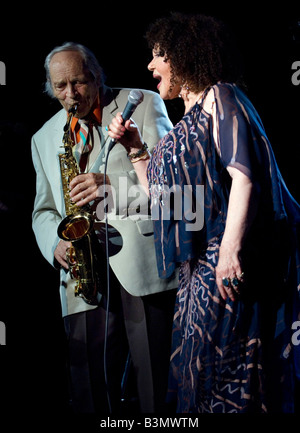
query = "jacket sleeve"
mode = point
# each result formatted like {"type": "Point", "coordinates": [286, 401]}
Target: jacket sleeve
{"type": "Point", "coordinates": [45, 217]}
{"type": "Point", "coordinates": [155, 123]}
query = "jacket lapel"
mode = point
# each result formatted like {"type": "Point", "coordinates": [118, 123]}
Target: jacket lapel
{"type": "Point", "coordinates": [110, 104]}
{"type": "Point", "coordinates": [110, 109]}
{"type": "Point", "coordinates": [58, 129]}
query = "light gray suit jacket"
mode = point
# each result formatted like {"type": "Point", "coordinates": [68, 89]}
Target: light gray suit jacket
{"type": "Point", "coordinates": [132, 255]}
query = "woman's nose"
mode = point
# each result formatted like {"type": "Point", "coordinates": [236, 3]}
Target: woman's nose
{"type": "Point", "coordinates": [151, 65]}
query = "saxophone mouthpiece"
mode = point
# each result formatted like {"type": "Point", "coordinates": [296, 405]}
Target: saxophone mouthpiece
{"type": "Point", "coordinates": [73, 109]}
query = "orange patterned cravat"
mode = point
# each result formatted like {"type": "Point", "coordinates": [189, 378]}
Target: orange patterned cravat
{"type": "Point", "coordinates": [84, 145]}
{"type": "Point", "coordinates": [83, 131]}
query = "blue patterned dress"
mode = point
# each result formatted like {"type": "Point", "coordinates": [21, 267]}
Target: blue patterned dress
{"type": "Point", "coordinates": [226, 356]}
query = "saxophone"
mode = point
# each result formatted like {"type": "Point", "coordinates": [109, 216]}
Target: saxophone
{"type": "Point", "coordinates": [77, 227]}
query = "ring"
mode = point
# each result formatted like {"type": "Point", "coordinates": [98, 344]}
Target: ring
{"type": "Point", "coordinates": [107, 128]}
{"type": "Point", "coordinates": [225, 281]}
{"type": "Point", "coordinates": [240, 277]}
{"type": "Point", "coordinates": [234, 281]}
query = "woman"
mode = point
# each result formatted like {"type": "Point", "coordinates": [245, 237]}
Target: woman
{"type": "Point", "coordinates": [233, 314]}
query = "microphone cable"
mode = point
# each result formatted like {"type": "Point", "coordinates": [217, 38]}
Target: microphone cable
{"type": "Point", "coordinates": [135, 97]}
{"type": "Point", "coordinates": [107, 285]}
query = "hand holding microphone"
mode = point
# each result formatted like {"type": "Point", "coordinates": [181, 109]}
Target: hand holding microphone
{"type": "Point", "coordinates": [132, 141]}
{"type": "Point", "coordinates": [122, 123]}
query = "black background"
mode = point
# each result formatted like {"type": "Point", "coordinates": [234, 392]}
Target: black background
{"type": "Point", "coordinates": [32, 364]}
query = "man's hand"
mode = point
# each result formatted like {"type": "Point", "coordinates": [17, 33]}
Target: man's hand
{"type": "Point", "coordinates": [85, 187]}
{"type": "Point", "coordinates": [60, 253]}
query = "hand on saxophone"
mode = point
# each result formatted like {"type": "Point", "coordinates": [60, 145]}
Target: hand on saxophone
{"type": "Point", "coordinates": [84, 187]}
{"type": "Point", "coordinates": [60, 253]}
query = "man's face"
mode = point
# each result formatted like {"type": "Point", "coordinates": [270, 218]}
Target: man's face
{"type": "Point", "coordinates": [72, 82]}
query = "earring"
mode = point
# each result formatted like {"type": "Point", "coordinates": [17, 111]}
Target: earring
{"type": "Point", "coordinates": [184, 92]}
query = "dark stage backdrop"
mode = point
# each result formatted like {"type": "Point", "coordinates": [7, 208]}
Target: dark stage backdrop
{"type": "Point", "coordinates": [32, 363]}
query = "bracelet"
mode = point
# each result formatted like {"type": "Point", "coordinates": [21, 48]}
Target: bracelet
{"type": "Point", "coordinates": [144, 155]}
{"type": "Point", "coordinates": [140, 152]}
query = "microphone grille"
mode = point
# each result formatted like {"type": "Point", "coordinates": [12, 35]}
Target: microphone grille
{"type": "Point", "coordinates": [135, 97]}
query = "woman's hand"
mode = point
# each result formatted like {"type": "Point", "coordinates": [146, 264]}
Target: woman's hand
{"type": "Point", "coordinates": [229, 274]}
{"type": "Point", "coordinates": [128, 134]}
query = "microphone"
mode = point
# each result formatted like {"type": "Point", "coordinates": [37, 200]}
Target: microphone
{"type": "Point", "coordinates": [135, 97]}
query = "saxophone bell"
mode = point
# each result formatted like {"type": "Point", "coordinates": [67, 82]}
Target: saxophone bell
{"type": "Point", "coordinates": [75, 227]}
{"type": "Point", "coordinates": [78, 229]}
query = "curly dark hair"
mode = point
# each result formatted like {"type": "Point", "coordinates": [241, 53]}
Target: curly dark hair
{"type": "Point", "coordinates": [201, 49]}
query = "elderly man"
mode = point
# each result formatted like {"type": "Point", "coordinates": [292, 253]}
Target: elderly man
{"type": "Point", "coordinates": [138, 298]}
